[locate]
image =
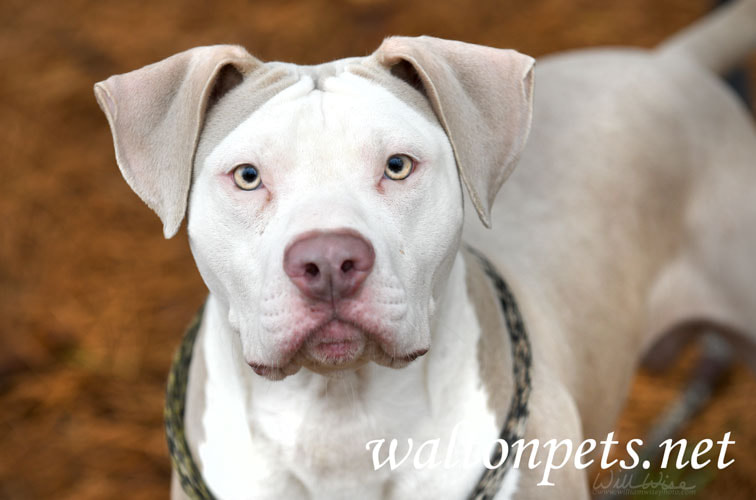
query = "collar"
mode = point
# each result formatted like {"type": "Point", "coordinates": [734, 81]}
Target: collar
{"type": "Point", "coordinates": [512, 429]}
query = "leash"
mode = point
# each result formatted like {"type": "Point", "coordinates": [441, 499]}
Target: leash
{"type": "Point", "coordinates": [490, 481]}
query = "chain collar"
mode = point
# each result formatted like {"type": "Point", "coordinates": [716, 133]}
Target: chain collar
{"type": "Point", "coordinates": [513, 428]}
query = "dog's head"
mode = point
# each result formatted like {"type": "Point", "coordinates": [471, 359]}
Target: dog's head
{"type": "Point", "coordinates": [324, 203]}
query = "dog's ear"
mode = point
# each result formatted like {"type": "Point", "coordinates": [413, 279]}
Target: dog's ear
{"type": "Point", "coordinates": [156, 114]}
{"type": "Point", "coordinates": [482, 97]}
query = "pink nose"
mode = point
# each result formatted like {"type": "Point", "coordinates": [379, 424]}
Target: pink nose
{"type": "Point", "coordinates": [329, 265]}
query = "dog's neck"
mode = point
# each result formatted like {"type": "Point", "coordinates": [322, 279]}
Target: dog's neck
{"type": "Point", "coordinates": [317, 426]}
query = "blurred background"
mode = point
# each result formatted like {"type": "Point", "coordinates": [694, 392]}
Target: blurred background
{"type": "Point", "coordinates": [93, 300]}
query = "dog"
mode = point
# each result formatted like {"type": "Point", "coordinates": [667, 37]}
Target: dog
{"type": "Point", "coordinates": [327, 210]}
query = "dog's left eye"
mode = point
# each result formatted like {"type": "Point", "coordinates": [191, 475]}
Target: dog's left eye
{"type": "Point", "coordinates": [399, 167]}
{"type": "Point", "coordinates": [247, 177]}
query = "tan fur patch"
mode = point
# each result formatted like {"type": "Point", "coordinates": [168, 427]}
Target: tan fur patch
{"type": "Point", "coordinates": [494, 356]}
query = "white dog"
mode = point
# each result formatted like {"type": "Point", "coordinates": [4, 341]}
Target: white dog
{"type": "Point", "coordinates": [325, 214]}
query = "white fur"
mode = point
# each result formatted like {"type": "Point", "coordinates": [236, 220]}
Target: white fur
{"type": "Point", "coordinates": [306, 435]}
{"type": "Point", "coordinates": [587, 230]}
{"type": "Point", "coordinates": [619, 203]}
{"type": "Point", "coordinates": [326, 181]}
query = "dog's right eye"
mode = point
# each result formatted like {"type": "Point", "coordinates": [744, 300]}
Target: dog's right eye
{"type": "Point", "coordinates": [247, 177]}
{"type": "Point", "coordinates": [398, 167]}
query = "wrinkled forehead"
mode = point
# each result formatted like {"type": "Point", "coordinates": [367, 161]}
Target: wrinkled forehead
{"type": "Point", "coordinates": [274, 79]}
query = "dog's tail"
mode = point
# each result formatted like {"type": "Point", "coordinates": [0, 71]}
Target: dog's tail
{"type": "Point", "coordinates": [720, 40]}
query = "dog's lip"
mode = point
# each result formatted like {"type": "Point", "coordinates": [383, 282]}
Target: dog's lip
{"type": "Point", "coordinates": [414, 355]}
{"type": "Point", "coordinates": [259, 369]}
{"type": "Point", "coordinates": [336, 343]}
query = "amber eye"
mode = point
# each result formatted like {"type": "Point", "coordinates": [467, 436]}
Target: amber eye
{"type": "Point", "coordinates": [247, 177]}
{"type": "Point", "coordinates": [398, 167]}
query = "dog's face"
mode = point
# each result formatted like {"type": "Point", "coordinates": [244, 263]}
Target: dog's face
{"type": "Point", "coordinates": [324, 204]}
{"type": "Point", "coordinates": [346, 168]}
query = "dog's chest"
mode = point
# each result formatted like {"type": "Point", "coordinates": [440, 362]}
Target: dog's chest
{"type": "Point", "coordinates": [307, 436]}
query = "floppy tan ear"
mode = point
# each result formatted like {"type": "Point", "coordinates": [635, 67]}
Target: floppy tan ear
{"type": "Point", "coordinates": [483, 98]}
{"type": "Point", "coordinates": [156, 114]}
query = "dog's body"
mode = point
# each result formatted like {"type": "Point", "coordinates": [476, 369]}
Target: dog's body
{"type": "Point", "coordinates": [630, 216]}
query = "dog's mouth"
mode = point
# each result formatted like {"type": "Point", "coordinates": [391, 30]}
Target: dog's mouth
{"type": "Point", "coordinates": [338, 345]}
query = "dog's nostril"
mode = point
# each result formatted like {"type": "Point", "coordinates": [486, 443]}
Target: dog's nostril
{"type": "Point", "coordinates": [347, 266]}
{"type": "Point", "coordinates": [329, 265]}
{"type": "Point", "coordinates": [311, 270]}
